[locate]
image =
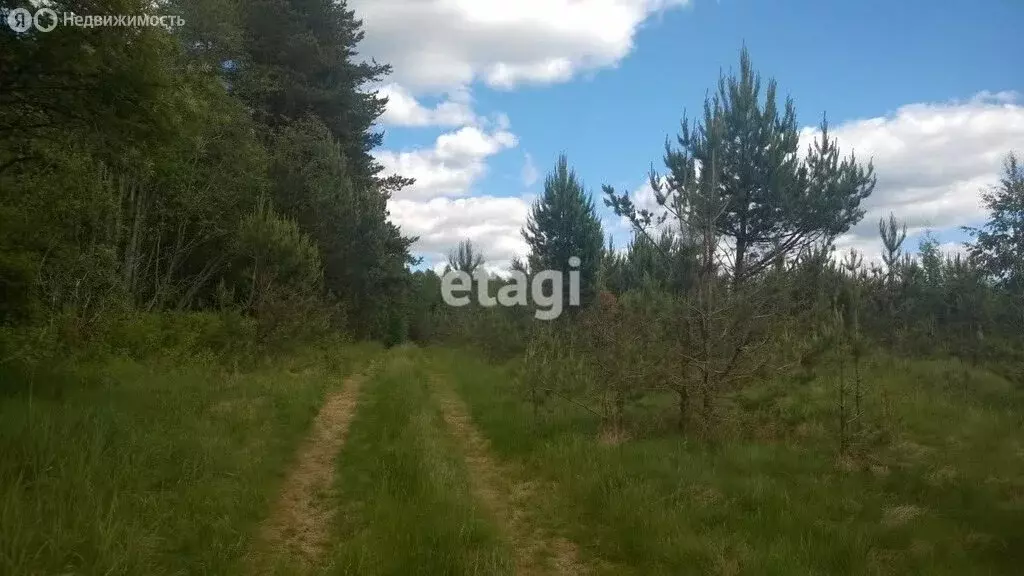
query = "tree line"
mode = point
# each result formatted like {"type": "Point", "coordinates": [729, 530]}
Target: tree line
{"type": "Point", "coordinates": [225, 167]}
{"type": "Point", "coordinates": [736, 278]}
{"type": "Point", "coordinates": [224, 164]}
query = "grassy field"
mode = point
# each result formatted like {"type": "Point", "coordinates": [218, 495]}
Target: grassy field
{"type": "Point", "coordinates": [152, 467]}
{"type": "Point", "coordinates": [939, 488]}
{"type": "Point", "coordinates": [169, 468]}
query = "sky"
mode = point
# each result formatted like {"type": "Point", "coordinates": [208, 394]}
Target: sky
{"type": "Point", "coordinates": [485, 94]}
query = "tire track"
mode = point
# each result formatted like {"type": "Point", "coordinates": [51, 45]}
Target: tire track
{"type": "Point", "coordinates": [298, 528]}
{"type": "Point", "coordinates": [508, 500]}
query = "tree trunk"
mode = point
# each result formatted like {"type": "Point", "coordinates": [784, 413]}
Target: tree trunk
{"type": "Point", "coordinates": [740, 269]}
{"type": "Point", "coordinates": [684, 407]}
{"type": "Point", "coordinates": [842, 406]}
{"type": "Point", "coordinates": [856, 393]}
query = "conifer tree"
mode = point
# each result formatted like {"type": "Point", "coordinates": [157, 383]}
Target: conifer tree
{"type": "Point", "coordinates": [775, 204]}
{"type": "Point", "coordinates": [465, 257]}
{"type": "Point", "coordinates": [562, 224]}
{"type": "Point", "coordinates": [299, 58]}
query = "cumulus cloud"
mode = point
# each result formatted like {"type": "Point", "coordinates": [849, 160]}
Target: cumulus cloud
{"type": "Point", "coordinates": [439, 48]}
{"type": "Point", "coordinates": [451, 167]}
{"type": "Point", "coordinates": [932, 160]}
{"type": "Point", "coordinates": [492, 223]}
{"type": "Point", "coordinates": [403, 109]}
{"type": "Point", "coordinates": [621, 229]}
{"type": "Point", "coordinates": [443, 44]}
{"type": "Point", "coordinates": [953, 249]}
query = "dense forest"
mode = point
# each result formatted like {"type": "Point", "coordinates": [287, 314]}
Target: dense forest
{"type": "Point", "coordinates": [224, 166]}
{"type": "Point", "coordinates": [211, 188]}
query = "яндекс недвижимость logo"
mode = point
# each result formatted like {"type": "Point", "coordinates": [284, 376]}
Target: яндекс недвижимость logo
{"type": "Point", "coordinates": [21, 20]}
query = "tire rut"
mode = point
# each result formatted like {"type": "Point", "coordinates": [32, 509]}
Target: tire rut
{"type": "Point", "coordinates": [298, 527]}
{"type": "Point", "coordinates": [508, 500]}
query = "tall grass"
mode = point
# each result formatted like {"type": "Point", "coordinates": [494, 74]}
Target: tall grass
{"type": "Point", "coordinates": [407, 505]}
{"type": "Point", "coordinates": [160, 454]}
{"type": "Point", "coordinates": [161, 464]}
{"type": "Point", "coordinates": [936, 489]}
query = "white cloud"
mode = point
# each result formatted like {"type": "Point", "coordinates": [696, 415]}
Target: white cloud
{"type": "Point", "coordinates": [445, 44]}
{"type": "Point", "coordinates": [441, 47]}
{"type": "Point", "coordinates": [403, 109]}
{"type": "Point", "coordinates": [643, 198]}
{"type": "Point", "coordinates": [492, 223]}
{"type": "Point", "coordinates": [507, 76]}
{"type": "Point", "coordinates": [530, 173]}
{"type": "Point", "coordinates": [451, 167]}
{"type": "Point", "coordinates": [953, 249]}
{"type": "Point", "coordinates": [932, 160]}
{"type": "Point", "coordinates": [501, 121]}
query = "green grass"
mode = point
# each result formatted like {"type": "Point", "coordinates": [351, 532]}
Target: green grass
{"type": "Point", "coordinates": [407, 507]}
{"type": "Point", "coordinates": [938, 488]}
{"type": "Point", "coordinates": [119, 466]}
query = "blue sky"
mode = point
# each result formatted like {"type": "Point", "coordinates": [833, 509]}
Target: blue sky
{"type": "Point", "coordinates": [484, 91]}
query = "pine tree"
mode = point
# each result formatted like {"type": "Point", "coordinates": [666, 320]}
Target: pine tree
{"type": "Point", "coordinates": [562, 224]}
{"type": "Point", "coordinates": [299, 74]}
{"type": "Point", "coordinates": [299, 59]}
{"type": "Point", "coordinates": [893, 235]}
{"type": "Point", "coordinates": [465, 258]}
{"type": "Point", "coordinates": [774, 203]}
{"type": "Point", "coordinates": [364, 254]}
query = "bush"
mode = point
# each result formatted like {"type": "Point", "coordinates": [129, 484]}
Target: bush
{"type": "Point", "coordinates": [281, 278]}
{"type": "Point", "coordinates": [176, 334]}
